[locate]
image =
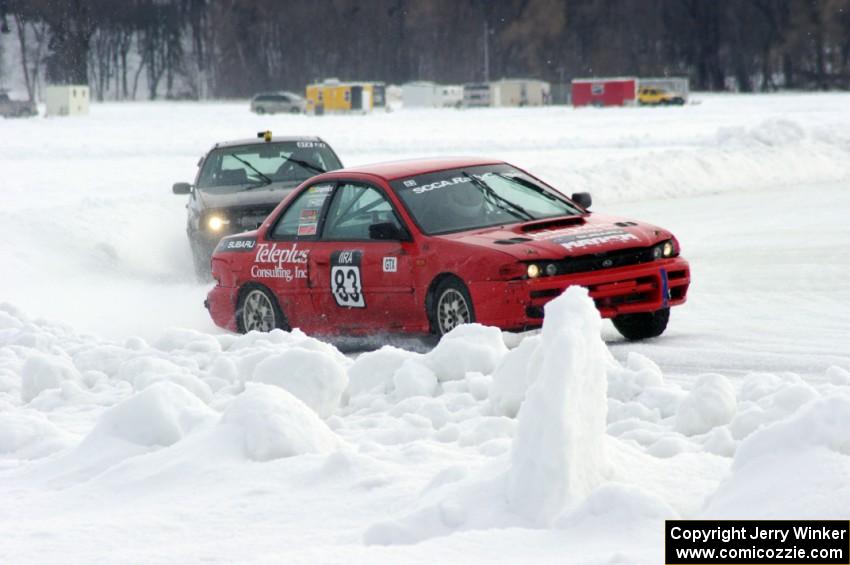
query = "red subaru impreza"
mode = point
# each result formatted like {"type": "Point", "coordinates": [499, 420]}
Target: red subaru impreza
{"type": "Point", "coordinates": [425, 245]}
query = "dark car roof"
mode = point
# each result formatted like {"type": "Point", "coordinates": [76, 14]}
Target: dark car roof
{"type": "Point", "coordinates": [260, 141]}
{"type": "Point", "coordinates": [392, 170]}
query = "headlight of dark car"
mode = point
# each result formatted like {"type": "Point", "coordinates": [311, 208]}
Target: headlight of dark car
{"type": "Point", "coordinates": [215, 222]}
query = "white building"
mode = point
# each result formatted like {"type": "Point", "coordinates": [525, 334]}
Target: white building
{"type": "Point", "coordinates": [67, 100]}
{"type": "Point", "coordinates": [520, 92]}
{"type": "Point", "coordinates": [425, 94]}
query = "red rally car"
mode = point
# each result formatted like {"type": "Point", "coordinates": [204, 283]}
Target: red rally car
{"type": "Point", "coordinates": [425, 245]}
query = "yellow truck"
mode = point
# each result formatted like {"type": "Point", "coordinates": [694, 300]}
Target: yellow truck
{"type": "Point", "coordinates": [653, 96]}
{"type": "Point", "coordinates": [333, 96]}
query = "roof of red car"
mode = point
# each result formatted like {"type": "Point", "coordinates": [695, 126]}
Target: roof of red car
{"type": "Point", "coordinates": [411, 167]}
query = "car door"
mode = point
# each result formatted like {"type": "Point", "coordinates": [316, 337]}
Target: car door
{"type": "Point", "coordinates": [282, 259]}
{"type": "Point", "coordinates": [360, 283]}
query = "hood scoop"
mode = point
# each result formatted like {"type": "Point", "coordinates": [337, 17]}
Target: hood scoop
{"type": "Point", "coordinates": [512, 241]}
{"type": "Point", "coordinates": [557, 223]}
{"type": "Point", "coordinates": [625, 224]}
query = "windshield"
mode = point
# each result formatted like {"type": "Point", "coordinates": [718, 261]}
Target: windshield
{"type": "Point", "coordinates": [479, 197]}
{"type": "Point", "coordinates": [231, 169]}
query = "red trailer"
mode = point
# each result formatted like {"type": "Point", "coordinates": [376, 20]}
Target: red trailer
{"type": "Point", "coordinates": [621, 91]}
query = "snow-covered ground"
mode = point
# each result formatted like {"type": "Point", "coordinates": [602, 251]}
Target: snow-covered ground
{"type": "Point", "coordinates": [132, 430]}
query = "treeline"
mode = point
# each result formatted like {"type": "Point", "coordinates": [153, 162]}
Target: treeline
{"type": "Point", "coordinates": [129, 49]}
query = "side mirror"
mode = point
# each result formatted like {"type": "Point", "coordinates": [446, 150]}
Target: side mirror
{"type": "Point", "coordinates": [583, 199]}
{"type": "Point", "coordinates": [388, 231]}
{"type": "Point", "coordinates": [181, 188]}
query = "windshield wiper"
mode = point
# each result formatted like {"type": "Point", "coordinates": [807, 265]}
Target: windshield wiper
{"type": "Point", "coordinates": [305, 164]}
{"type": "Point", "coordinates": [511, 207]}
{"type": "Point", "coordinates": [265, 180]}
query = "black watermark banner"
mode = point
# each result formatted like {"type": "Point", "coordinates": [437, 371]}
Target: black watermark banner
{"type": "Point", "coordinates": [757, 542]}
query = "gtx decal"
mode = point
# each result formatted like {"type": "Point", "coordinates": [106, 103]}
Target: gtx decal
{"type": "Point", "coordinates": [346, 285]}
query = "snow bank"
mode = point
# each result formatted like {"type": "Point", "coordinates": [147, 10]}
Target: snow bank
{"type": "Point", "coordinates": [558, 455]}
{"type": "Point", "coordinates": [807, 454]}
{"type": "Point", "coordinates": [271, 423]}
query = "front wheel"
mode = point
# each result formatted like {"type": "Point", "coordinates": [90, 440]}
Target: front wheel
{"type": "Point", "coordinates": [258, 310]}
{"type": "Point", "coordinates": [642, 326]}
{"type": "Point", "coordinates": [451, 307]}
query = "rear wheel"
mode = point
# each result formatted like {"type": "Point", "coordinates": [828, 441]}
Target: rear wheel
{"type": "Point", "coordinates": [451, 306]}
{"type": "Point", "coordinates": [258, 310]}
{"type": "Point", "coordinates": [642, 326]}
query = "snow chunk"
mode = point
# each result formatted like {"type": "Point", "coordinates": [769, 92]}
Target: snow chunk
{"type": "Point", "coordinates": [315, 378]}
{"type": "Point", "coordinates": [512, 378]}
{"type": "Point", "coordinates": [272, 423]}
{"type": "Point", "coordinates": [470, 347]}
{"type": "Point", "coordinates": [161, 415]}
{"type": "Point", "coordinates": [41, 372]}
{"type": "Point", "coordinates": [559, 451]}
{"type": "Point", "coordinates": [414, 379]}
{"type": "Point", "coordinates": [376, 369]}
{"type": "Point", "coordinates": [711, 403]}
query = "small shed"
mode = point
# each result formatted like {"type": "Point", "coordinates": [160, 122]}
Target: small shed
{"type": "Point", "coordinates": [67, 100]}
{"type": "Point", "coordinates": [680, 86]}
{"type": "Point", "coordinates": [520, 92]}
{"type": "Point", "coordinates": [619, 91]}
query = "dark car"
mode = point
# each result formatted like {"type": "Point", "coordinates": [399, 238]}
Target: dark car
{"type": "Point", "coordinates": [240, 182]}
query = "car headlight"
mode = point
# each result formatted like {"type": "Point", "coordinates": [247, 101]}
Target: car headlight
{"type": "Point", "coordinates": [533, 271]}
{"type": "Point", "coordinates": [217, 222]}
{"type": "Point", "coordinates": [664, 250]}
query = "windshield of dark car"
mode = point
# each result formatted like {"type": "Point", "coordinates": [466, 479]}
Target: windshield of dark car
{"type": "Point", "coordinates": [231, 169]}
{"type": "Point", "coordinates": [478, 197]}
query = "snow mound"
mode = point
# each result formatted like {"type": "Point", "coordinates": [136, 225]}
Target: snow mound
{"type": "Point", "coordinates": [313, 377]}
{"type": "Point", "coordinates": [711, 403]}
{"type": "Point", "coordinates": [470, 347]}
{"type": "Point", "coordinates": [374, 370]}
{"type": "Point", "coordinates": [558, 455]}
{"type": "Point", "coordinates": [159, 416]}
{"type": "Point", "coordinates": [42, 372]}
{"type": "Point", "coordinates": [616, 503]}
{"type": "Point", "coordinates": [812, 445]}
{"type": "Point", "coordinates": [271, 423]}
{"type": "Point", "coordinates": [31, 435]}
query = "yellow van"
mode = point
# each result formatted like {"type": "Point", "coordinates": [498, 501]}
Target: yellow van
{"type": "Point", "coordinates": [653, 96]}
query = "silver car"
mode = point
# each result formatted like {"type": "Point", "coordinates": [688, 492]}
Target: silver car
{"type": "Point", "coordinates": [278, 102]}
{"type": "Point", "coordinates": [16, 108]}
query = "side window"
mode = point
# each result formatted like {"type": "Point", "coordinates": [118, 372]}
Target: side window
{"type": "Point", "coordinates": [300, 220]}
{"type": "Point", "coordinates": [354, 208]}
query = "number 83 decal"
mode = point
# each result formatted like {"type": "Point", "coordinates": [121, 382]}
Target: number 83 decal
{"type": "Point", "coordinates": [346, 285]}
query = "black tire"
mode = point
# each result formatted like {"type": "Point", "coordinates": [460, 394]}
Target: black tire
{"type": "Point", "coordinates": [201, 262]}
{"type": "Point", "coordinates": [450, 306]}
{"type": "Point", "coordinates": [642, 326]}
{"type": "Point", "coordinates": [294, 110]}
{"type": "Point", "coordinates": [258, 310]}
{"type": "Point", "coordinates": [260, 110]}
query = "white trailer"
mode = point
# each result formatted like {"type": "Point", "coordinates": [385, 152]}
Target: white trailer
{"type": "Point", "coordinates": [424, 94]}
{"type": "Point", "coordinates": [520, 92]}
{"type": "Point", "coordinates": [420, 94]}
{"type": "Point", "coordinates": [67, 100]}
